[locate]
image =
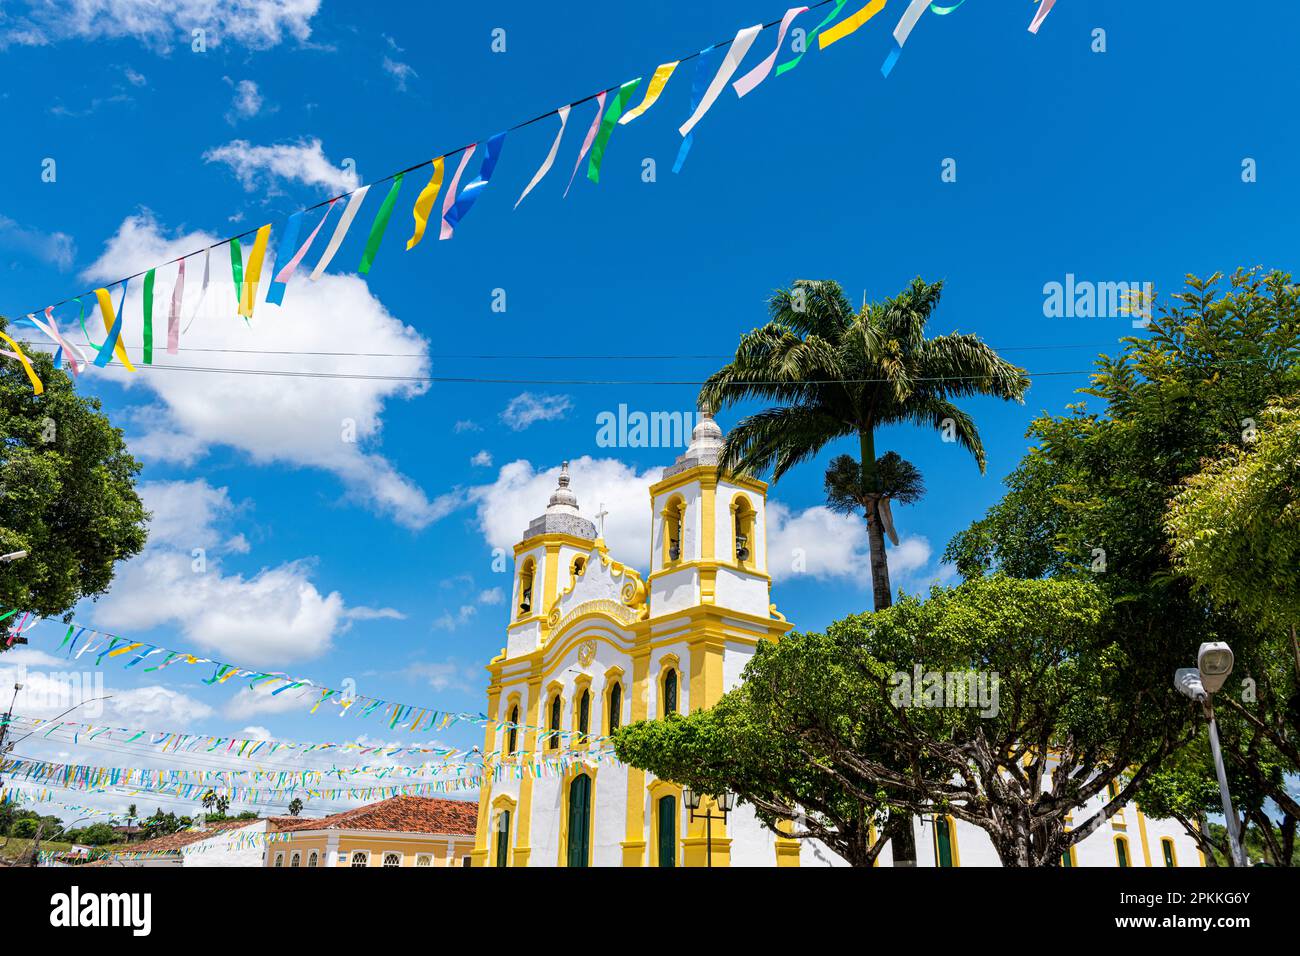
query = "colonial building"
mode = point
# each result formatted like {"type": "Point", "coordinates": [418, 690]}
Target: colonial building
{"type": "Point", "coordinates": [592, 645]}
{"type": "Point", "coordinates": [401, 831]}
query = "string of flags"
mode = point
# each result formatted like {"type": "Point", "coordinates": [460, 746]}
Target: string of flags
{"type": "Point", "coordinates": [228, 747]}
{"type": "Point", "coordinates": [98, 646]}
{"type": "Point", "coordinates": [130, 781]}
{"type": "Point", "coordinates": [711, 77]}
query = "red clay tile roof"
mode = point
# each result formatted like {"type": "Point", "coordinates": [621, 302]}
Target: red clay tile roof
{"type": "Point", "coordinates": [402, 813]}
{"type": "Point", "coordinates": [175, 841]}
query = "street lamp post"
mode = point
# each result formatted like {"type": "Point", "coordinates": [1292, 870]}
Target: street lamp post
{"type": "Point", "coordinates": [725, 801]}
{"type": "Point", "coordinates": [1200, 683]}
{"type": "Point", "coordinates": [4, 726]}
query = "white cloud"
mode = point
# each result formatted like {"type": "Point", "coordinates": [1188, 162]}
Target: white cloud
{"type": "Point", "coordinates": [401, 72]}
{"type": "Point", "coordinates": [449, 621]}
{"type": "Point", "coordinates": [55, 248]}
{"type": "Point", "coordinates": [482, 459]}
{"type": "Point", "coordinates": [270, 617]}
{"type": "Point", "coordinates": [332, 424]}
{"type": "Point", "coordinates": [374, 614]}
{"type": "Point", "coordinates": [466, 425]}
{"type": "Point", "coordinates": [247, 102]}
{"type": "Point", "coordinates": [831, 545]}
{"type": "Point", "coordinates": [133, 77]}
{"type": "Point", "coordinates": [491, 596]}
{"type": "Point", "coordinates": [526, 409]}
{"type": "Point", "coordinates": [256, 732]}
{"type": "Point", "coordinates": [160, 26]}
{"type": "Point", "coordinates": [504, 508]}
{"type": "Point", "coordinates": [252, 701]}
{"type": "Point", "coordinates": [263, 168]}
{"type": "Point", "coordinates": [445, 675]}
{"type": "Point", "coordinates": [52, 685]}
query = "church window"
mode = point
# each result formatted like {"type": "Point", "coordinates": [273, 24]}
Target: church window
{"type": "Point", "coordinates": [667, 830]}
{"type": "Point", "coordinates": [553, 740]}
{"type": "Point", "coordinates": [744, 530]}
{"type": "Point", "coordinates": [579, 824]}
{"type": "Point", "coordinates": [526, 587]}
{"type": "Point", "coordinates": [670, 692]}
{"type": "Point", "coordinates": [584, 712]}
{"type": "Point", "coordinates": [503, 838]}
{"type": "Point", "coordinates": [392, 859]}
{"type": "Point", "coordinates": [674, 521]}
{"type": "Point", "coordinates": [512, 735]}
{"type": "Point", "coordinates": [1121, 851]}
{"type": "Point", "coordinates": [279, 859]}
{"type": "Point", "coordinates": [295, 860]}
{"type": "Point", "coordinates": [424, 859]}
{"type": "Point", "coordinates": [360, 858]}
{"type": "Point", "coordinates": [943, 855]}
{"type": "Point", "coordinates": [579, 565]}
{"type": "Point", "coordinates": [1167, 847]}
{"type": "Point", "coordinates": [312, 859]}
{"type": "Point", "coordinates": [615, 707]}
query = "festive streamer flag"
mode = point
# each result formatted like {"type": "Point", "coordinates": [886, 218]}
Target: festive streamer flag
{"type": "Point", "coordinates": [563, 113]}
{"type": "Point", "coordinates": [902, 32]}
{"type": "Point", "coordinates": [789, 65]}
{"type": "Point", "coordinates": [607, 127]}
{"type": "Point", "coordinates": [289, 267]}
{"type": "Point", "coordinates": [237, 269]}
{"type": "Point", "coordinates": [379, 226]}
{"type": "Point", "coordinates": [745, 85]}
{"type": "Point", "coordinates": [249, 298]}
{"type": "Point", "coordinates": [698, 82]}
{"type": "Point", "coordinates": [148, 317]}
{"type": "Point", "coordinates": [657, 84]}
{"type": "Point", "coordinates": [341, 230]}
{"type": "Point", "coordinates": [17, 353]}
{"type": "Point", "coordinates": [469, 195]}
{"type": "Point", "coordinates": [944, 11]}
{"type": "Point", "coordinates": [424, 204]}
{"type": "Point", "coordinates": [1045, 7]}
{"type": "Point", "coordinates": [174, 316]}
{"type": "Point", "coordinates": [849, 24]}
{"type": "Point", "coordinates": [203, 289]}
{"type": "Point", "coordinates": [730, 63]}
{"type": "Point", "coordinates": [113, 326]}
{"type": "Point", "coordinates": [586, 143]}
{"type": "Point", "coordinates": [288, 239]}
{"type": "Point", "coordinates": [446, 231]}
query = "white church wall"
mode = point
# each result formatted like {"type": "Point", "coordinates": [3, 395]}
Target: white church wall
{"type": "Point", "coordinates": [740, 592]}
{"type": "Point", "coordinates": [226, 848]}
{"type": "Point", "coordinates": [733, 664]}
{"type": "Point", "coordinates": [610, 827]}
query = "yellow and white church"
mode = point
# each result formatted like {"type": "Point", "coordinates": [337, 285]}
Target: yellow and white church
{"type": "Point", "coordinates": [591, 646]}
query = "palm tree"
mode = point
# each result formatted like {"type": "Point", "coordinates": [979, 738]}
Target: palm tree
{"type": "Point", "coordinates": [839, 373]}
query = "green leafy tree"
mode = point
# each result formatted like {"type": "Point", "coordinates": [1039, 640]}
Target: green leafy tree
{"type": "Point", "coordinates": [67, 493]}
{"type": "Point", "coordinates": [1101, 493]}
{"type": "Point", "coordinates": [1005, 703]}
{"type": "Point", "coordinates": [295, 807]}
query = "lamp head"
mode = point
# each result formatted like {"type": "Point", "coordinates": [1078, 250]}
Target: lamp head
{"type": "Point", "coordinates": [1214, 661]}
{"type": "Point", "coordinates": [726, 801]}
{"type": "Point", "coordinates": [1188, 682]}
{"type": "Point", "coordinates": [690, 799]}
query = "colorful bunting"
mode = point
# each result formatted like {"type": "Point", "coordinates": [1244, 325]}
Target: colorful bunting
{"type": "Point", "coordinates": [174, 314]}
{"type": "Point", "coordinates": [563, 113]}
{"type": "Point", "coordinates": [379, 226]}
{"type": "Point", "coordinates": [791, 64]}
{"type": "Point", "coordinates": [469, 195]}
{"type": "Point", "coordinates": [284, 251]}
{"type": "Point", "coordinates": [1045, 7]}
{"type": "Point", "coordinates": [901, 32]}
{"type": "Point", "coordinates": [449, 200]}
{"type": "Point", "coordinates": [424, 204]}
{"type": "Point", "coordinates": [148, 317]}
{"type": "Point", "coordinates": [237, 269]}
{"type": "Point", "coordinates": [287, 271]}
{"type": "Point", "coordinates": [746, 84]}
{"type": "Point", "coordinates": [17, 353]}
{"type": "Point", "coordinates": [657, 84]}
{"type": "Point", "coordinates": [607, 127]}
{"type": "Point", "coordinates": [586, 143]}
{"type": "Point", "coordinates": [849, 25]}
{"type": "Point", "coordinates": [698, 82]}
{"type": "Point", "coordinates": [341, 230]}
{"type": "Point", "coordinates": [113, 326]}
{"type": "Point", "coordinates": [248, 300]}
{"type": "Point", "coordinates": [730, 63]}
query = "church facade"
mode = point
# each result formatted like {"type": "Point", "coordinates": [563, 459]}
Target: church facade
{"type": "Point", "coordinates": [591, 646]}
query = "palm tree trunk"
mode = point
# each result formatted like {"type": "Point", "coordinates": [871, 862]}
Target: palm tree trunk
{"type": "Point", "coordinates": [879, 561]}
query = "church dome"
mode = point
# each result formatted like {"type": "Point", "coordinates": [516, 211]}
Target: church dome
{"type": "Point", "coordinates": [562, 514]}
{"type": "Point", "coordinates": [706, 444]}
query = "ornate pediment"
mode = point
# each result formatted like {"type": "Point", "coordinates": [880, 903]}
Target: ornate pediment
{"type": "Point", "coordinates": [602, 586]}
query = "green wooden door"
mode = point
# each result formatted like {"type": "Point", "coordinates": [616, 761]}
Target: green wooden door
{"type": "Point", "coordinates": [503, 838]}
{"type": "Point", "coordinates": [668, 831]}
{"type": "Point", "coordinates": [943, 842]}
{"type": "Point", "coordinates": [579, 820]}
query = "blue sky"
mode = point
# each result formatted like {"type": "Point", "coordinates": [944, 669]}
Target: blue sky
{"type": "Point", "coordinates": [373, 560]}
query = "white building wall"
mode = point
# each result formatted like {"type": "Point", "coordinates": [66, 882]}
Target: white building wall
{"type": "Point", "coordinates": [228, 848]}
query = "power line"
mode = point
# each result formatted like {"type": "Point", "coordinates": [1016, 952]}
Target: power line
{"type": "Point", "coordinates": [428, 162]}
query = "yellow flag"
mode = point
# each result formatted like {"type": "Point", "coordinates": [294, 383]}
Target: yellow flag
{"type": "Point", "coordinates": [106, 314]}
{"type": "Point", "coordinates": [37, 387]}
{"type": "Point", "coordinates": [657, 83]}
{"type": "Point", "coordinates": [849, 24]}
{"type": "Point", "coordinates": [254, 272]}
{"type": "Point", "coordinates": [424, 205]}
